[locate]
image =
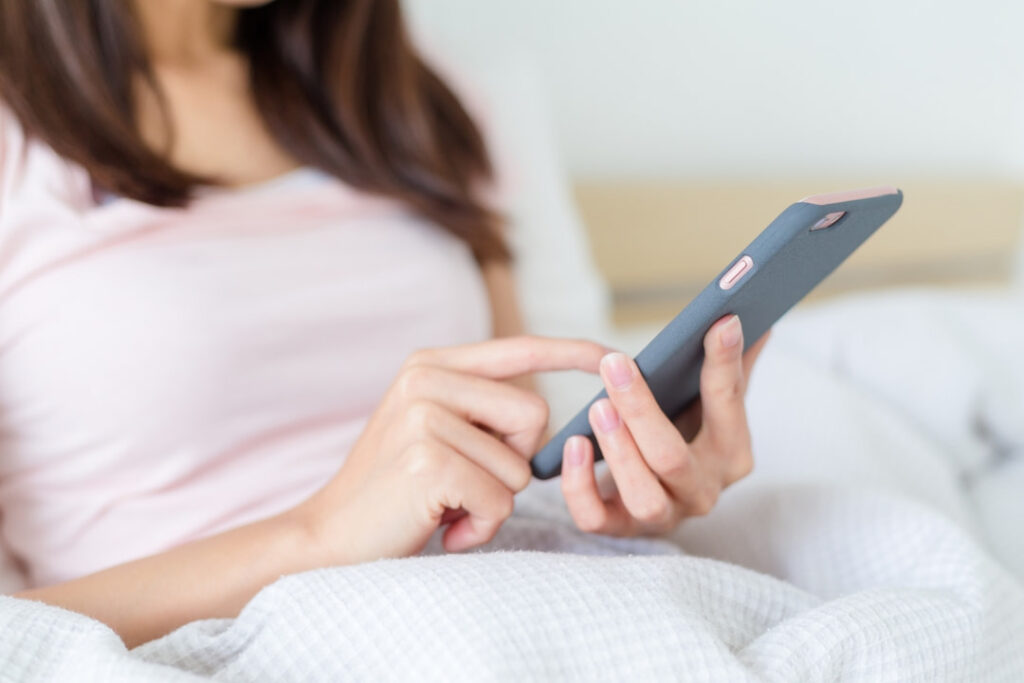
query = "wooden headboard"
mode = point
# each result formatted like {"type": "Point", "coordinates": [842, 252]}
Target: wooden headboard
{"type": "Point", "coordinates": [659, 242]}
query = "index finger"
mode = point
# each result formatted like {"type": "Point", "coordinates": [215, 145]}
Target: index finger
{"type": "Point", "coordinates": [663, 447]}
{"type": "Point", "coordinates": [509, 357]}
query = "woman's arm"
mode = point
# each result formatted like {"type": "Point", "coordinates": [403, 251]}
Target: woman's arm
{"type": "Point", "coordinates": [506, 315]}
{"type": "Point", "coordinates": [214, 577]}
{"type": "Point", "coordinates": [450, 434]}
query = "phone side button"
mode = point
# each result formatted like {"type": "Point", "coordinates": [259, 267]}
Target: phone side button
{"type": "Point", "coordinates": [736, 273]}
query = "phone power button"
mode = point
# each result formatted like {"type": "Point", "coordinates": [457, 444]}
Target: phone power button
{"type": "Point", "coordinates": [736, 273]}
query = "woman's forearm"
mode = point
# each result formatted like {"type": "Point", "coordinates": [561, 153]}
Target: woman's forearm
{"type": "Point", "coordinates": [407, 467]}
{"type": "Point", "coordinates": [214, 577]}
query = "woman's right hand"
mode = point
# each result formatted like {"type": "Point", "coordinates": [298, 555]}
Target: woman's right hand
{"type": "Point", "coordinates": [449, 438]}
{"type": "Point", "coordinates": [448, 435]}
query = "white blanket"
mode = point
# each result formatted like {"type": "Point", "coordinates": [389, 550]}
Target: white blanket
{"type": "Point", "coordinates": [858, 549]}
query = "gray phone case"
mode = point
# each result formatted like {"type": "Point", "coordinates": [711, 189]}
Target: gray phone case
{"type": "Point", "coordinates": [790, 258]}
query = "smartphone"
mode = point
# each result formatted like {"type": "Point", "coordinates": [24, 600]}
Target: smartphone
{"type": "Point", "coordinates": [788, 259]}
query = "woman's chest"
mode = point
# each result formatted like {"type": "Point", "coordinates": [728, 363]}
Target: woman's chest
{"type": "Point", "coordinates": [226, 326]}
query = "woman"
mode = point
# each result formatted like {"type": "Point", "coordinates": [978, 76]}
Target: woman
{"type": "Point", "coordinates": [225, 229]}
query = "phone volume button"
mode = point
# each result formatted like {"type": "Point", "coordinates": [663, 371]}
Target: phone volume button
{"type": "Point", "coordinates": [736, 273]}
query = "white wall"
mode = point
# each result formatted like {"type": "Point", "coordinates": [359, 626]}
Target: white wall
{"type": "Point", "coordinates": [747, 87]}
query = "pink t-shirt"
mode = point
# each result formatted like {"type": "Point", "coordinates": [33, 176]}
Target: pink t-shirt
{"type": "Point", "coordinates": [168, 374]}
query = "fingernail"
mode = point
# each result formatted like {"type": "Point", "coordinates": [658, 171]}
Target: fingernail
{"type": "Point", "coordinates": [606, 417]}
{"type": "Point", "coordinates": [731, 332]}
{"type": "Point", "coordinates": [618, 370]}
{"type": "Point", "coordinates": [574, 449]}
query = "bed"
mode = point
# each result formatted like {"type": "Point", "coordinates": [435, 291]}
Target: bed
{"type": "Point", "coordinates": [878, 538]}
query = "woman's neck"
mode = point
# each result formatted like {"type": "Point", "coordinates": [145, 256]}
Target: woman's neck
{"type": "Point", "coordinates": [185, 32]}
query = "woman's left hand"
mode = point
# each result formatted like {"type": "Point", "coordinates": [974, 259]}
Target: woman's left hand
{"type": "Point", "coordinates": [660, 476]}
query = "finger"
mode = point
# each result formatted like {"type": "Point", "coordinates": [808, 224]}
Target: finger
{"type": "Point", "coordinates": [480, 447]}
{"type": "Point", "coordinates": [513, 356]}
{"type": "Point", "coordinates": [657, 438]}
{"type": "Point", "coordinates": [464, 484]}
{"type": "Point", "coordinates": [724, 432]}
{"type": "Point", "coordinates": [582, 496]}
{"type": "Point", "coordinates": [722, 386]}
{"type": "Point", "coordinates": [642, 493]}
{"type": "Point", "coordinates": [520, 416]}
{"type": "Point", "coordinates": [689, 422]}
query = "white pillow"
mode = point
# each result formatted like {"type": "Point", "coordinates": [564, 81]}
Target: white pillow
{"type": "Point", "coordinates": [559, 287]}
{"type": "Point", "coordinates": [561, 290]}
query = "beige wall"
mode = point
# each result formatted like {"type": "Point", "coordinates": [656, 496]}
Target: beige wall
{"type": "Point", "coordinates": [659, 243]}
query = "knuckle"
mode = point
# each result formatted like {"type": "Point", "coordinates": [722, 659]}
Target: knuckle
{"type": "Point", "coordinates": [592, 521]}
{"type": "Point", "coordinates": [717, 353]}
{"type": "Point", "coordinates": [745, 462]}
{"type": "Point", "coordinates": [730, 391]}
{"type": "Point", "coordinates": [413, 379]}
{"type": "Point", "coordinates": [673, 465]}
{"type": "Point", "coordinates": [417, 357]}
{"type": "Point", "coordinates": [422, 416]}
{"type": "Point", "coordinates": [743, 465]}
{"type": "Point", "coordinates": [505, 505]}
{"type": "Point", "coordinates": [704, 501]}
{"type": "Point", "coordinates": [531, 349]}
{"type": "Point", "coordinates": [522, 476]}
{"type": "Point", "coordinates": [633, 401]}
{"type": "Point", "coordinates": [488, 530]}
{"type": "Point", "coordinates": [539, 412]}
{"type": "Point", "coordinates": [651, 510]}
{"type": "Point", "coordinates": [422, 459]}
{"type": "Point", "coordinates": [572, 487]}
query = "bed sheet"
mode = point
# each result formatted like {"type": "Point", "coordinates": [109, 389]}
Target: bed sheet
{"type": "Point", "coordinates": [878, 539]}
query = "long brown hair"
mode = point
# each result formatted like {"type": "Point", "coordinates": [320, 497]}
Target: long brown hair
{"type": "Point", "coordinates": [337, 83]}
